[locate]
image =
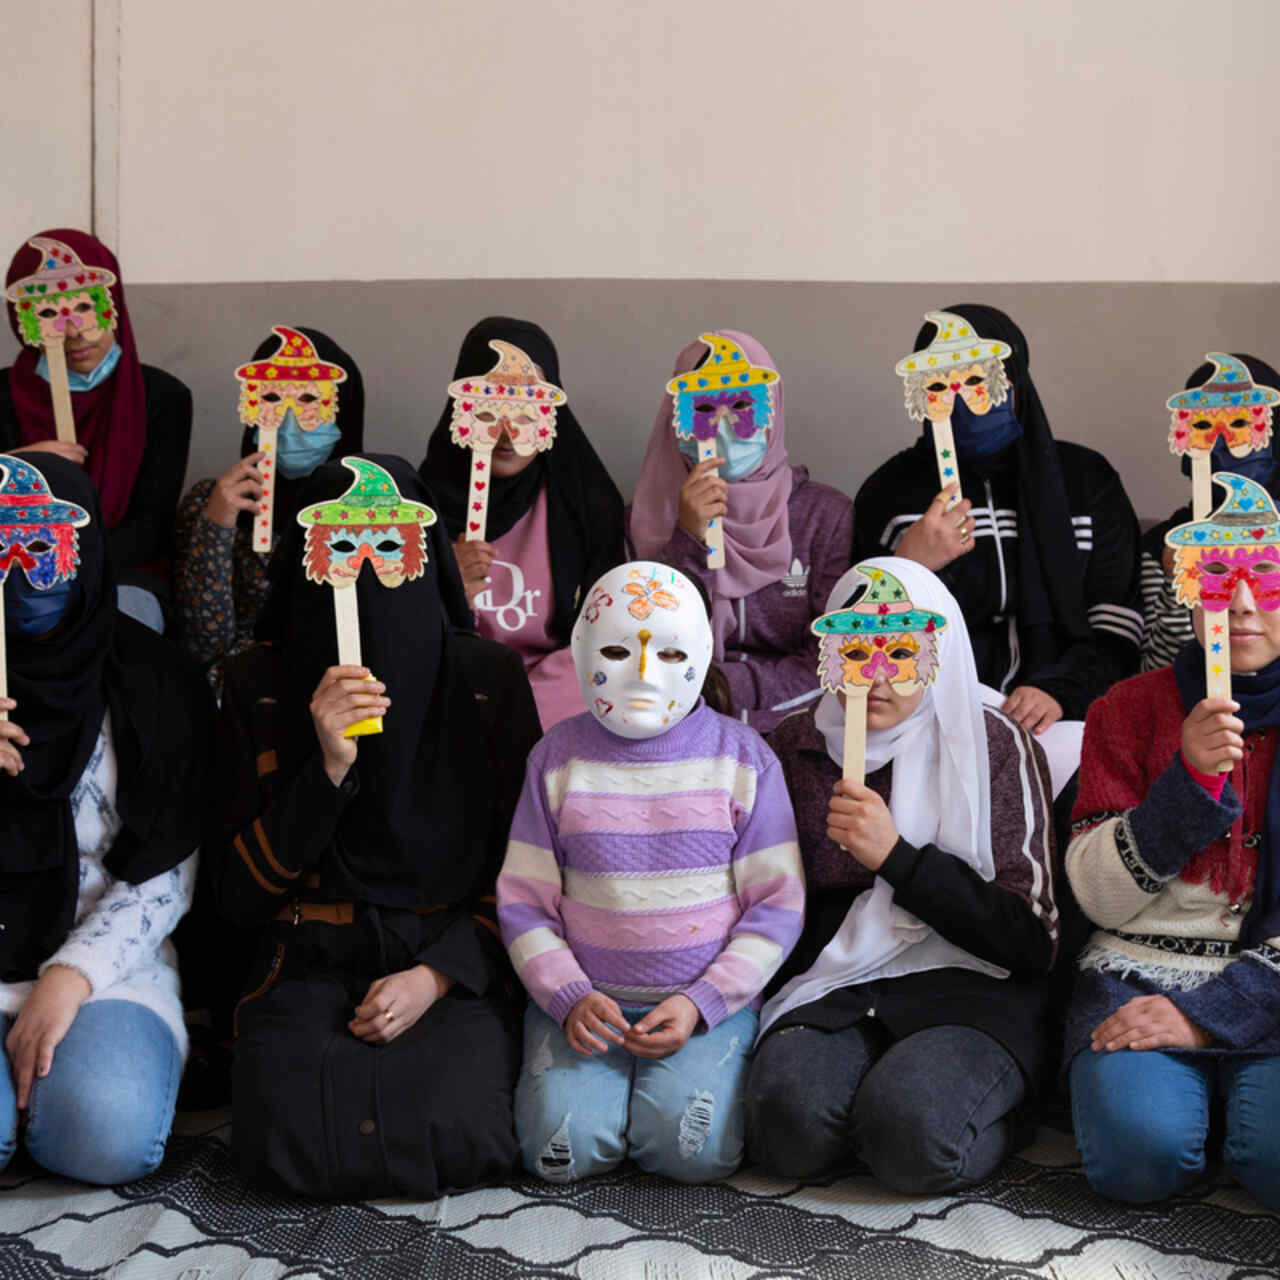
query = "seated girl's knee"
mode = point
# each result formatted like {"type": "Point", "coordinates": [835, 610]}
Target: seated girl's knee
{"type": "Point", "coordinates": [99, 1152]}
{"type": "Point", "coordinates": [704, 1144]}
{"type": "Point", "coordinates": [566, 1153]}
{"type": "Point", "coordinates": [1257, 1170]}
{"type": "Point", "coordinates": [1141, 1168]}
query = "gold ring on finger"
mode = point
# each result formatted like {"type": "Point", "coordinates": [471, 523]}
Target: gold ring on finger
{"type": "Point", "coordinates": [390, 1015]}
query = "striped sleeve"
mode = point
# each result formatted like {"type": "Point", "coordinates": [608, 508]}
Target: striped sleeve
{"type": "Point", "coordinates": [1166, 623]}
{"type": "Point", "coordinates": [768, 880]}
{"type": "Point", "coordinates": [530, 887]}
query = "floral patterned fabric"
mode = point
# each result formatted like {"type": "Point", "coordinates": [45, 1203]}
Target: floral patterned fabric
{"type": "Point", "coordinates": [221, 583]}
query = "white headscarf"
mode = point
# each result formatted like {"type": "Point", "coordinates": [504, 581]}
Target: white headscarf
{"type": "Point", "coordinates": [941, 795]}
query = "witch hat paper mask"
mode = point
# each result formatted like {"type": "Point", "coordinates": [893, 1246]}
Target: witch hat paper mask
{"type": "Point", "coordinates": [62, 296]}
{"type": "Point", "coordinates": [958, 362]}
{"type": "Point", "coordinates": [371, 523]}
{"type": "Point", "coordinates": [38, 535]}
{"type": "Point", "coordinates": [295, 379]}
{"type": "Point", "coordinates": [883, 635]}
{"type": "Point", "coordinates": [1239, 542]}
{"type": "Point", "coordinates": [725, 390]}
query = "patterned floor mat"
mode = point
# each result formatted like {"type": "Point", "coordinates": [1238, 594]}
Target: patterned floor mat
{"type": "Point", "coordinates": [194, 1220]}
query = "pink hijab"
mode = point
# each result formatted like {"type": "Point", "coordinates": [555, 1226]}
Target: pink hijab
{"type": "Point", "coordinates": [757, 534]}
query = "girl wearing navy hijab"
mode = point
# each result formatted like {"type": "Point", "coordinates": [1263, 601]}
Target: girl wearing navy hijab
{"type": "Point", "coordinates": [101, 770]}
{"type": "Point", "coordinates": [1042, 553]}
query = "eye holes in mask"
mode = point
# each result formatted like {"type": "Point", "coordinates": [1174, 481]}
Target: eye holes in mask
{"type": "Point", "coordinates": [47, 313]}
{"type": "Point", "coordinates": [672, 655]}
{"type": "Point", "coordinates": [936, 386]}
{"type": "Point", "coordinates": [39, 546]}
{"type": "Point", "coordinates": [975, 381]}
{"type": "Point", "coordinates": [344, 545]}
{"type": "Point", "coordinates": [387, 545]}
{"type": "Point", "coordinates": [615, 652]}
{"type": "Point", "coordinates": [620, 653]}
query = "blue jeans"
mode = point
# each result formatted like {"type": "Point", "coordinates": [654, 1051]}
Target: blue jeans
{"type": "Point", "coordinates": [1141, 1118]}
{"type": "Point", "coordinates": [679, 1116]}
{"type": "Point", "coordinates": [103, 1112]}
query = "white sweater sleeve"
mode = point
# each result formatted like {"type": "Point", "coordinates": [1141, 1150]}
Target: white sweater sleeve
{"type": "Point", "coordinates": [125, 929]}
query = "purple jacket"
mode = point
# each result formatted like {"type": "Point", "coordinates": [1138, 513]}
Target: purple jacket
{"type": "Point", "coordinates": [771, 659]}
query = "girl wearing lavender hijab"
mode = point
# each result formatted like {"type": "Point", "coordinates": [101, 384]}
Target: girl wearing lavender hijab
{"type": "Point", "coordinates": [910, 1030]}
{"type": "Point", "coordinates": [651, 887]}
{"type": "Point", "coordinates": [786, 537]}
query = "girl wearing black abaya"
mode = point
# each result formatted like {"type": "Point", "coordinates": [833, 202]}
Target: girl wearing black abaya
{"type": "Point", "coordinates": [102, 761]}
{"type": "Point", "coordinates": [377, 1045]}
{"type": "Point", "coordinates": [555, 525]}
{"type": "Point", "coordinates": [1042, 554]}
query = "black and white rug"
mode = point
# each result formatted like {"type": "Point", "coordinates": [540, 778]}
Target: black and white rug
{"type": "Point", "coordinates": [194, 1220]}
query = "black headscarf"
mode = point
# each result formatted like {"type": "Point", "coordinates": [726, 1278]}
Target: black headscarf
{"type": "Point", "coordinates": [584, 507]}
{"type": "Point", "coordinates": [349, 420]}
{"type": "Point", "coordinates": [402, 837]}
{"type": "Point", "coordinates": [1050, 578]}
{"type": "Point", "coordinates": [95, 659]}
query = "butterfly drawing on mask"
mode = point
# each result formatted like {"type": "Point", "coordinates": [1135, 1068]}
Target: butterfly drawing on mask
{"type": "Point", "coordinates": [648, 594]}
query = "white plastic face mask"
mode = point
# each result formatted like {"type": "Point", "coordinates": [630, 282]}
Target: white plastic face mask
{"type": "Point", "coordinates": [641, 647]}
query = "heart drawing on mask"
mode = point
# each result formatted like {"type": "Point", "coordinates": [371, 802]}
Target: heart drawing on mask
{"type": "Point", "coordinates": [603, 706]}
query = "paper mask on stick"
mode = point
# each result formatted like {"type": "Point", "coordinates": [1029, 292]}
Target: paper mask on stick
{"type": "Point", "coordinates": [37, 535]}
{"type": "Point", "coordinates": [1229, 406]}
{"type": "Point", "coordinates": [293, 381]}
{"type": "Point", "coordinates": [512, 397]}
{"type": "Point", "coordinates": [956, 363]}
{"type": "Point", "coordinates": [882, 635]}
{"type": "Point", "coordinates": [726, 397]}
{"type": "Point", "coordinates": [370, 523]}
{"type": "Point", "coordinates": [1239, 542]}
{"type": "Point", "coordinates": [62, 296]}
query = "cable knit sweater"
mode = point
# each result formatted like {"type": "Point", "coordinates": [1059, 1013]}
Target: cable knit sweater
{"type": "Point", "coordinates": [1166, 871]}
{"type": "Point", "coordinates": [646, 869]}
{"type": "Point", "coordinates": [120, 939]}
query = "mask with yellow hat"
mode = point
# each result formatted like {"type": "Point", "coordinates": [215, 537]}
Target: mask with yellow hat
{"type": "Point", "coordinates": [726, 399]}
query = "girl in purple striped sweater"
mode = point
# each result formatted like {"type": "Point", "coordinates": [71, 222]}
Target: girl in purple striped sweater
{"type": "Point", "coordinates": [651, 888]}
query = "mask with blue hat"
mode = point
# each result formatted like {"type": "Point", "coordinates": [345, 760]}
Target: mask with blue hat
{"type": "Point", "coordinates": [1225, 412]}
{"type": "Point", "coordinates": [39, 548]}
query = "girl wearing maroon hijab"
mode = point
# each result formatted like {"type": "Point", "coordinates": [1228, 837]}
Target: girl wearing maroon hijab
{"type": "Point", "coordinates": [133, 422]}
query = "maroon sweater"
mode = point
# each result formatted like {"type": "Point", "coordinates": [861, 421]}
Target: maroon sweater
{"type": "Point", "coordinates": [771, 657]}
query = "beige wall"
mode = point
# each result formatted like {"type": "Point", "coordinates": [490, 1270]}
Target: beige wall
{"type": "Point", "coordinates": [46, 138]}
{"type": "Point", "coordinates": [817, 172]}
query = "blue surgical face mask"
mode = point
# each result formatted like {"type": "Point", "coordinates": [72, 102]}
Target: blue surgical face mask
{"type": "Point", "coordinates": [300, 452]}
{"type": "Point", "coordinates": [85, 381]}
{"type": "Point", "coordinates": [31, 612]}
{"type": "Point", "coordinates": [1259, 466]}
{"type": "Point", "coordinates": [981, 435]}
{"type": "Point", "coordinates": [741, 457]}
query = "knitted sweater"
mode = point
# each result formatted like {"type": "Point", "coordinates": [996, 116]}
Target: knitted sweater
{"type": "Point", "coordinates": [1167, 873]}
{"type": "Point", "coordinates": [652, 868]}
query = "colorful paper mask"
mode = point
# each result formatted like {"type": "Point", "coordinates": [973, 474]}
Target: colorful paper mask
{"type": "Point", "coordinates": [62, 296]}
{"type": "Point", "coordinates": [1229, 406]}
{"type": "Point", "coordinates": [956, 363]}
{"type": "Point", "coordinates": [294, 380]}
{"type": "Point", "coordinates": [724, 408]}
{"type": "Point", "coordinates": [641, 648]}
{"type": "Point", "coordinates": [1240, 541]}
{"type": "Point", "coordinates": [512, 396]}
{"type": "Point", "coordinates": [37, 530]}
{"type": "Point", "coordinates": [883, 635]}
{"type": "Point", "coordinates": [369, 524]}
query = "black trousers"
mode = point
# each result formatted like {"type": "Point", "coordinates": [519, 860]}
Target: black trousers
{"type": "Point", "coordinates": [317, 1112]}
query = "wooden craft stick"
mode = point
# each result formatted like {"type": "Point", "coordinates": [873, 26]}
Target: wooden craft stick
{"type": "Point", "coordinates": [478, 493]}
{"type": "Point", "coordinates": [265, 514]}
{"type": "Point", "coordinates": [944, 450]}
{"type": "Point", "coordinates": [1201, 486]}
{"type": "Point", "coordinates": [715, 528]}
{"type": "Point", "coordinates": [346, 613]}
{"type": "Point", "coordinates": [855, 732]}
{"type": "Point", "coordinates": [63, 418]}
{"type": "Point", "coordinates": [1217, 666]}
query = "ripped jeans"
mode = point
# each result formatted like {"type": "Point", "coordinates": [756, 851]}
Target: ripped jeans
{"type": "Point", "coordinates": [681, 1116]}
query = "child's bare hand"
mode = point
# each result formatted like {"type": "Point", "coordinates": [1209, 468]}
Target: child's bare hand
{"type": "Point", "coordinates": [593, 1020]}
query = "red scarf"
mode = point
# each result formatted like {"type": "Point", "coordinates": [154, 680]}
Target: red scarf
{"type": "Point", "coordinates": [111, 420]}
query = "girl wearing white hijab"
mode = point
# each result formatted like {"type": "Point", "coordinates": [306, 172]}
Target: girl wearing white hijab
{"type": "Point", "coordinates": [908, 1030]}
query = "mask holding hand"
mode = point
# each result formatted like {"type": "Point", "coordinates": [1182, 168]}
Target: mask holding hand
{"type": "Point", "coordinates": [641, 648]}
